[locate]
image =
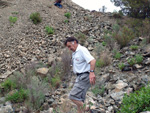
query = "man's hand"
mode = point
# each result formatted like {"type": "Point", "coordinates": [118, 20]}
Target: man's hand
{"type": "Point", "coordinates": [92, 78]}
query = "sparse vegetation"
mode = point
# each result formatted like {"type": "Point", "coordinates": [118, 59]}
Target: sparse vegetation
{"type": "Point", "coordinates": [68, 15]}
{"type": "Point", "coordinates": [117, 55]}
{"type": "Point", "coordinates": [8, 85]}
{"type": "Point", "coordinates": [17, 96]}
{"type": "Point", "coordinates": [139, 59]}
{"type": "Point", "coordinates": [104, 60]}
{"type": "Point", "coordinates": [81, 37]}
{"type": "Point", "coordinates": [66, 21]}
{"type": "Point", "coordinates": [104, 43]}
{"type": "Point", "coordinates": [12, 20]}
{"type": "Point", "coordinates": [134, 47]}
{"type": "Point", "coordinates": [49, 30]}
{"type": "Point", "coordinates": [132, 61]}
{"type": "Point", "coordinates": [121, 66]}
{"type": "Point", "coordinates": [36, 18]}
{"type": "Point", "coordinates": [124, 36]}
{"type": "Point", "coordinates": [98, 90]}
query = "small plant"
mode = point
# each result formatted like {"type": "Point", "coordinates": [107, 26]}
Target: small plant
{"type": "Point", "coordinates": [118, 55]}
{"type": "Point", "coordinates": [104, 43]}
{"type": "Point", "coordinates": [116, 27]}
{"type": "Point", "coordinates": [123, 36]}
{"type": "Point", "coordinates": [98, 48]}
{"type": "Point", "coordinates": [12, 20]}
{"type": "Point", "coordinates": [109, 40]}
{"type": "Point", "coordinates": [99, 63]}
{"type": "Point", "coordinates": [36, 91]}
{"type": "Point", "coordinates": [36, 18]}
{"type": "Point", "coordinates": [134, 47]}
{"type": "Point", "coordinates": [49, 30]}
{"type": "Point", "coordinates": [136, 102]}
{"type": "Point", "coordinates": [66, 64]}
{"type": "Point", "coordinates": [66, 21]}
{"type": "Point", "coordinates": [121, 66]}
{"type": "Point", "coordinates": [18, 96]}
{"type": "Point", "coordinates": [55, 81]}
{"type": "Point", "coordinates": [98, 90]}
{"type": "Point", "coordinates": [81, 37]}
{"type": "Point", "coordinates": [14, 13]}
{"type": "Point", "coordinates": [139, 59]}
{"type": "Point", "coordinates": [104, 60]}
{"type": "Point", "coordinates": [8, 85]}
{"type": "Point", "coordinates": [132, 61]}
{"type": "Point", "coordinates": [68, 15]}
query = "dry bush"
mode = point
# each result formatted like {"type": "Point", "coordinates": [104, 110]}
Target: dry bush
{"type": "Point", "coordinates": [98, 48]}
{"type": "Point", "coordinates": [124, 36]}
{"type": "Point", "coordinates": [81, 37]}
{"type": "Point", "coordinates": [66, 63]}
{"type": "Point", "coordinates": [37, 87]}
{"type": "Point", "coordinates": [146, 30]}
{"type": "Point", "coordinates": [104, 60]}
{"type": "Point", "coordinates": [37, 90]}
{"type": "Point", "coordinates": [110, 42]}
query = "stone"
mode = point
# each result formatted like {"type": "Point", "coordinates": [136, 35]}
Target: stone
{"type": "Point", "coordinates": [118, 95]}
{"type": "Point", "coordinates": [120, 84]}
{"type": "Point", "coordinates": [42, 71]}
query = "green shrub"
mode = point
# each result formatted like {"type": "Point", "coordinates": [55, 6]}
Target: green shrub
{"type": "Point", "coordinates": [145, 30]}
{"type": "Point", "coordinates": [139, 58]}
{"type": "Point", "coordinates": [68, 15]}
{"type": "Point", "coordinates": [55, 81]}
{"type": "Point", "coordinates": [18, 96]}
{"type": "Point", "coordinates": [36, 91]}
{"type": "Point", "coordinates": [8, 85]}
{"type": "Point", "coordinates": [116, 27]}
{"type": "Point", "coordinates": [98, 48]}
{"type": "Point", "coordinates": [135, 25]}
{"type": "Point", "coordinates": [49, 30]}
{"type": "Point", "coordinates": [66, 21]}
{"type": "Point", "coordinates": [36, 18]}
{"type": "Point", "coordinates": [109, 41]}
{"type": "Point", "coordinates": [117, 55]}
{"type": "Point", "coordinates": [104, 43]}
{"type": "Point", "coordinates": [15, 13]}
{"type": "Point", "coordinates": [104, 60]}
{"type": "Point", "coordinates": [134, 47]}
{"type": "Point", "coordinates": [99, 63]}
{"type": "Point", "coordinates": [98, 90]}
{"type": "Point", "coordinates": [123, 36]}
{"type": "Point", "coordinates": [121, 66]}
{"type": "Point", "coordinates": [12, 19]}
{"type": "Point", "coordinates": [132, 61]}
{"type": "Point", "coordinates": [136, 102]}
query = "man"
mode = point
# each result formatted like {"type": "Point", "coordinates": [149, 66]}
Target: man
{"type": "Point", "coordinates": [57, 3]}
{"type": "Point", "coordinates": [83, 67]}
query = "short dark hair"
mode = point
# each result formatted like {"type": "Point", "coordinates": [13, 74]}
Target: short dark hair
{"type": "Point", "coordinates": [70, 39]}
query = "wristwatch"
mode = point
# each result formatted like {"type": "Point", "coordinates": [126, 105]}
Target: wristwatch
{"type": "Point", "coordinates": [91, 70]}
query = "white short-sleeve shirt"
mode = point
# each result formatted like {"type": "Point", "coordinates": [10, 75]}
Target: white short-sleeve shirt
{"type": "Point", "coordinates": [81, 60]}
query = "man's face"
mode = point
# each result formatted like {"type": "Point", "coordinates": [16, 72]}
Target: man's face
{"type": "Point", "coordinates": [71, 46]}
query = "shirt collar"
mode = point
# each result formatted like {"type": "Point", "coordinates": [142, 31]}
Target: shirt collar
{"type": "Point", "coordinates": [78, 48]}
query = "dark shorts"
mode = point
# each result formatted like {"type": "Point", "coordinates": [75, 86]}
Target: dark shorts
{"type": "Point", "coordinates": [80, 87]}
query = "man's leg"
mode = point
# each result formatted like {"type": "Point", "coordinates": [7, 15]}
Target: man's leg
{"type": "Point", "coordinates": [79, 105]}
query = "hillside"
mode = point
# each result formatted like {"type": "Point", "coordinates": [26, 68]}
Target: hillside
{"type": "Point", "coordinates": [24, 43]}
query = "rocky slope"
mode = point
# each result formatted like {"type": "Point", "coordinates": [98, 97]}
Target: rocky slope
{"type": "Point", "coordinates": [25, 42]}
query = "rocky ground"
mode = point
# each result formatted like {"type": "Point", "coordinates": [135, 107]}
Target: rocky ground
{"type": "Point", "coordinates": [25, 42]}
